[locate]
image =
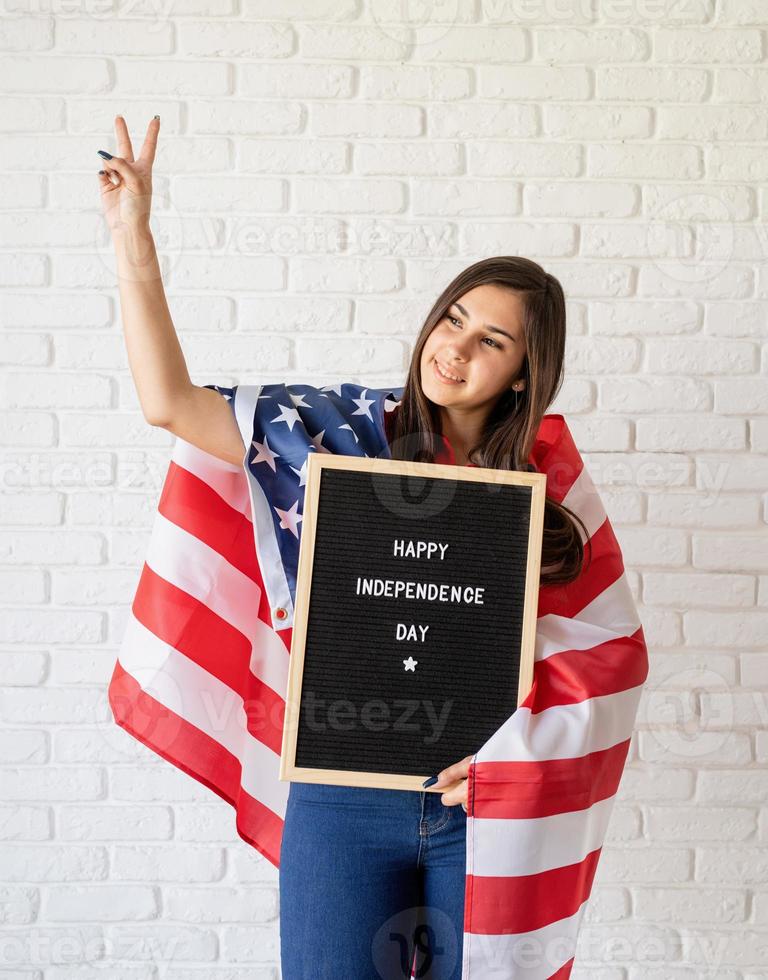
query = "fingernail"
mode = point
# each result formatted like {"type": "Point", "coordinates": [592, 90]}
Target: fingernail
{"type": "Point", "coordinates": [429, 782]}
{"type": "Point", "coordinates": [103, 153]}
{"type": "Point", "coordinates": [157, 117]}
{"type": "Point", "coordinates": [102, 172]}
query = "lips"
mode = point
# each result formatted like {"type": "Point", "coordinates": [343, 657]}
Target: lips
{"type": "Point", "coordinates": [452, 374]}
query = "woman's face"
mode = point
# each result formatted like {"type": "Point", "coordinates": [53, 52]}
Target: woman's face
{"type": "Point", "coordinates": [468, 344]}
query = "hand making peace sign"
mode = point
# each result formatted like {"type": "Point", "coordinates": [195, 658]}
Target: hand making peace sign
{"type": "Point", "coordinates": [126, 184]}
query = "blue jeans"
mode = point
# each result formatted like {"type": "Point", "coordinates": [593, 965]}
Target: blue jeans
{"type": "Point", "coordinates": [368, 877]}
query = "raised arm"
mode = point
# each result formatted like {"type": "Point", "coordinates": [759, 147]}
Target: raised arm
{"type": "Point", "coordinates": [167, 397]}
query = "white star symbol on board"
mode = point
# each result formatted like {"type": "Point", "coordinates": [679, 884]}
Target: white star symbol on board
{"type": "Point", "coordinates": [289, 519]}
{"type": "Point", "coordinates": [348, 426]}
{"type": "Point", "coordinates": [363, 404]}
{"type": "Point", "coordinates": [264, 454]}
{"type": "Point", "coordinates": [410, 664]}
{"type": "Point", "coordinates": [302, 473]}
{"type": "Point", "coordinates": [289, 415]}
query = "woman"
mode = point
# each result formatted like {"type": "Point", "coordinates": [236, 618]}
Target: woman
{"type": "Point", "coordinates": [372, 881]}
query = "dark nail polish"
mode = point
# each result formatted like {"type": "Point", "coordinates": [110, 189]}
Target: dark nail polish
{"type": "Point", "coordinates": [157, 117]}
{"type": "Point", "coordinates": [429, 782]}
{"type": "Point", "coordinates": [102, 172]}
{"type": "Point", "coordinates": [103, 153]}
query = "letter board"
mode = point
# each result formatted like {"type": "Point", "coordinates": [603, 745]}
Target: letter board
{"type": "Point", "coordinates": [414, 617]}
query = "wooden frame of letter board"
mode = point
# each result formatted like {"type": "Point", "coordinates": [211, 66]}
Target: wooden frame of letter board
{"type": "Point", "coordinates": [376, 465]}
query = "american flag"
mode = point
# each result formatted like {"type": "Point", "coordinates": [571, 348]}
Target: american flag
{"type": "Point", "coordinates": [201, 675]}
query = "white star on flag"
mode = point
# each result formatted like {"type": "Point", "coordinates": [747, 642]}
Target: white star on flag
{"type": "Point", "coordinates": [317, 442]}
{"type": "Point", "coordinates": [363, 404]}
{"type": "Point", "coordinates": [289, 415]}
{"type": "Point", "coordinates": [264, 454]}
{"type": "Point", "coordinates": [289, 519]}
{"type": "Point", "coordinates": [302, 473]}
{"type": "Point", "coordinates": [298, 400]}
{"type": "Point", "coordinates": [348, 426]}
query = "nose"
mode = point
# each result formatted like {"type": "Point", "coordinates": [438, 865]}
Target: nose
{"type": "Point", "coordinates": [455, 349]}
{"type": "Point", "coordinates": [453, 356]}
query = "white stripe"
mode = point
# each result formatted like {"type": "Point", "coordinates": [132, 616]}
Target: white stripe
{"type": "Point", "coordinates": [225, 479]}
{"type": "Point", "coordinates": [614, 609]}
{"type": "Point", "coordinates": [202, 700]}
{"type": "Point", "coordinates": [583, 499]}
{"type": "Point", "coordinates": [267, 547]}
{"type": "Point", "coordinates": [510, 847]}
{"type": "Point", "coordinates": [534, 955]}
{"type": "Point", "coordinates": [608, 617]}
{"type": "Point", "coordinates": [192, 566]}
{"type": "Point", "coordinates": [564, 731]}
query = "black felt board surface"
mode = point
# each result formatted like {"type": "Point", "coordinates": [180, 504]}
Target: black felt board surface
{"type": "Point", "coordinates": [360, 709]}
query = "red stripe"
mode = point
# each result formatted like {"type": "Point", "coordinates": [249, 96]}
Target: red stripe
{"type": "Point", "coordinates": [192, 628]}
{"type": "Point", "coordinates": [554, 439]}
{"type": "Point", "coordinates": [572, 676]}
{"type": "Point", "coordinates": [196, 632]}
{"type": "Point", "coordinates": [193, 505]}
{"type": "Point", "coordinates": [196, 754]}
{"type": "Point", "coordinates": [603, 565]}
{"type": "Point", "coordinates": [527, 790]}
{"type": "Point", "coordinates": [523, 903]}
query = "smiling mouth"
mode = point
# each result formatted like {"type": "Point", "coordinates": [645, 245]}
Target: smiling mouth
{"type": "Point", "coordinates": [447, 374]}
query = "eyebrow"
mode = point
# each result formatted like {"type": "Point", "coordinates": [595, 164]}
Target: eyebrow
{"type": "Point", "coordinates": [488, 326]}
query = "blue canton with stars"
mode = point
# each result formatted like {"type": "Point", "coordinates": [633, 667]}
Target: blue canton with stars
{"type": "Point", "coordinates": [291, 421]}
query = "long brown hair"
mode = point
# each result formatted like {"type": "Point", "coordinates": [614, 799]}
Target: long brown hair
{"type": "Point", "coordinates": [513, 424]}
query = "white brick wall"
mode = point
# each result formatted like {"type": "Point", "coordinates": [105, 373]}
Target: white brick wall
{"type": "Point", "coordinates": [626, 150]}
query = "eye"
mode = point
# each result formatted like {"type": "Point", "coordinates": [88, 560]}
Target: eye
{"type": "Point", "coordinates": [493, 342]}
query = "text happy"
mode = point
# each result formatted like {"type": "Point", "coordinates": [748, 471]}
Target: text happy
{"type": "Point", "coordinates": [418, 549]}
